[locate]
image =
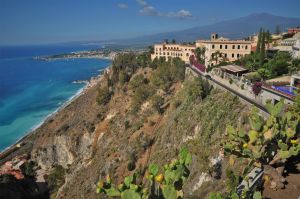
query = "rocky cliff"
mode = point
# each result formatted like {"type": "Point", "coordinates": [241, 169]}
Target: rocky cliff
{"type": "Point", "coordinates": [91, 140]}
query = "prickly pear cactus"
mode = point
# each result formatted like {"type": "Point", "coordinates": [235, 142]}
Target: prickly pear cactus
{"type": "Point", "coordinates": [165, 185]}
{"type": "Point", "coordinates": [269, 141]}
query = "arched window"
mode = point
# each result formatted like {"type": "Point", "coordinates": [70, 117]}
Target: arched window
{"type": "Point", "coordinates": [246, 47]}
{"type": "Point", "coordinates": [213, 46]}
{"type": "Point", "coordinates": [232, 55]}
{"type": "Point", "coordinates": [233, 46]}
{"type": "Point", "coordinates": [221, 46]}
{"type": "Point", "coordinates": [239, 46]}
{"type": "Point", "coordinates": [225, 46]}
{"type": "Point", "coordinates": [187, 54]}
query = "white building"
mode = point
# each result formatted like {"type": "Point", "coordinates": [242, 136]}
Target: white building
{"type": "Point", "coordinates": [296, 50]}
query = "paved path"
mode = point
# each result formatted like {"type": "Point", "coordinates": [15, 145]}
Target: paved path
{"type": "Point", "coordinates": [251, 101]}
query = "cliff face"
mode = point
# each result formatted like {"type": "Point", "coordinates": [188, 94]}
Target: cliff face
{"type": "Point", "coordinates": [91, 140]}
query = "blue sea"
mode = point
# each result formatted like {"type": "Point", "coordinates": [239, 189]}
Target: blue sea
{"type": "Point", "coordinates": [30, 89]}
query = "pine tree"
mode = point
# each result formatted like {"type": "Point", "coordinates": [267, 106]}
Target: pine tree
{"type": "Point", "coordinates": [258, 46]}
{"type": "Point", "coordinates": [263, 48]}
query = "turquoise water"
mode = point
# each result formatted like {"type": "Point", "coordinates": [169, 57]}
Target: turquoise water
{"type": "Point", "coordinates": [31, 89]}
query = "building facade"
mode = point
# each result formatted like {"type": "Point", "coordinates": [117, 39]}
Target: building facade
{"type": "Point", "coordinates": [173, 50]}
{"type": "Point", "coordinates": [296, 50]}
{"type": "Point", "coordinates": [293, 30]}
{"type": "Point", "coordinates": [222, 49]}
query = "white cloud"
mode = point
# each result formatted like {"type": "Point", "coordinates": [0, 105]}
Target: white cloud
{"type": "Point", "coordinates": [148, 10]}
{"type": "Point", "coordinates": [122, 6]}
{"type": "Point", "coordinates": [151, 11]}
{"type": "Point", "coordinates": [142, 2]}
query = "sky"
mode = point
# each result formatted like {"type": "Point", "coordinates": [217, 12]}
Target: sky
{"type": "Point", "coordinates": [52, 21]}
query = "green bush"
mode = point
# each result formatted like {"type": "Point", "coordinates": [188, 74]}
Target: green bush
{"type": "Point", "coordinates": [157, 102]}
{"type": "Point", "coordinates": [103, 96]}
{"type": "Point", "coordinates": [56, 178]}
{"type": "Point", "coordinates": [168, 73]}
{"type": "Point", "coordinates": [29, 168]}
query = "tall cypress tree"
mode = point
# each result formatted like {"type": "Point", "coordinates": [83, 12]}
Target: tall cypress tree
{"type": "Point", "coordinates": [258, 46]}
{"type": "Point", "coordinates": [263, 48]}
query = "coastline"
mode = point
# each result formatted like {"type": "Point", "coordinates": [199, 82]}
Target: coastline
{"type": "Point", "coordinates": [94, 80]}
{"type": "Point", "coordinates": [75, 57]}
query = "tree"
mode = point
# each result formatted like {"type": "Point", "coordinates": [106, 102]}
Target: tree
{"type": "Point", "coordinates": [173, 41]}
{"type": "Point", "coordinates": [268, 37]}
{"type": "Point", "coordinates": [151, 49]}
{"type": "Point", "coordinates": [262, 49]}
{"type": "Point", "coordinates": [200, 54]}
{"type": "Point", "coordinates": [166, 41]}
{"type": "Point", "coordinates": [258, 46]}
{"type": "Point", "coordinates": [294, 66]}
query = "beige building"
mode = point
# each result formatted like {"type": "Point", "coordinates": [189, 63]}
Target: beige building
{"type": "Point", "coordinates": [223, 49]}
{"type": "Point", "coordinates": [173, 50]}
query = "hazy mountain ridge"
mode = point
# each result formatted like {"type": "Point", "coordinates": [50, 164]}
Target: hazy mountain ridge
{"type": "Point", "coordinates": [233, 28]}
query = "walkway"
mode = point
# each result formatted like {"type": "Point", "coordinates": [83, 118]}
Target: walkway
{"type": "Point", "coordinates": [243, 97]}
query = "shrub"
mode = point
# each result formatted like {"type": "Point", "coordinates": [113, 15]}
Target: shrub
{"type": "Point", "coordinates": [123, 77]}
{"type": "Point", "coordinates": [56, 178]}
{"type": "Point", "coordinates": [103, 96]}
{"type": "Point", "coordinates": [29, 168]}
{"type": "Point", "coordinates": [230, 81]}
{"type": "Point", "coordinates": [157, 102]}
{"type": "Point", "coordinates": [256, 88]}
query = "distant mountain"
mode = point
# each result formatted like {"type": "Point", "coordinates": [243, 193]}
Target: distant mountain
{"type": "Point", "coordinates": [234, 28]}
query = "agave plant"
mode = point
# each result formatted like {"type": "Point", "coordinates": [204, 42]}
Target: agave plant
{"type": "Point", "coordinates": [269, 143]}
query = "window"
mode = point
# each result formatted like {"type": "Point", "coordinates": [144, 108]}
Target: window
{"type": "Point", "coordinates": [212, 55]}
{"type": "Point", "coordinates": [239, 46]}
{"type": "Point", "coordinates": [225, 46]}
{"type": "Point", "coordinates": [213, 46]}
{"type": "Point", "coordinates": [164, 53]}
{"type": "Point", "coordinates": [232, 55]}
{"type": "Point", "coordinates": [221, 46]}
{"type": "Point", "coordinates": [238, 55]}
{"type": "Point", "coordinates": [233, 46]}
{"type": "Point", "coordinates": [246, 47]}
{"type": "Point", "coordinates": [160, 49]}
{"type": "Point", "coordinates": [187, 54]}
{"type": "Point", "coordinates": [225, 55]}
{"type": "Point", "coordinates": [168, 53]}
